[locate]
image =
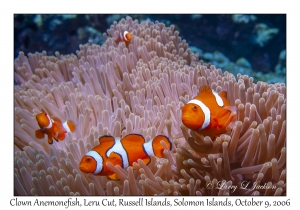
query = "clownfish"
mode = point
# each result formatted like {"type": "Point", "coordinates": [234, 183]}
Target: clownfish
{"type": "Point", "coordinates": [209, 113]}
{"type": "Point", "coordinates": [53, 127]}
{"type": "Point", "coordinates": [124, 37]}
{"type": "Point", "coordinates": [123, 152]}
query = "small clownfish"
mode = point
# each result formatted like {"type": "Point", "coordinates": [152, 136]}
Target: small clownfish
{"type": "Point", "coordinates": [124, 37]}
{"type": "Point", "coordinates": [53, 127]}
{"type": "Point", "coordinates": [123, 152]}
{"type": "Point", "coordinates": [209, 113]}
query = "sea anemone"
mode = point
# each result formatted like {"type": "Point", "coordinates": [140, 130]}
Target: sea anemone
{"type": "Point", "coordinates": [115, 89]}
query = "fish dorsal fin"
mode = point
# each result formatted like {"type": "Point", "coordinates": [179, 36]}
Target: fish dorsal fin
{"type": "Point", "coordinates": [115, 159]}
{"type": "Point", "coordinates": [223, 94]}
{"type": "Point", "coordinates": [133, 139]}
{"type": "Point", "coordinates": [56, 119]}
{"type": "Point", "coordinates": [106, 139]}
{"type": "Point", "coordinates": [205, 93]}
{"type": "Point", "coordinates": [205, 90]}
{"type": "Point", "coordinates": [105, 143]}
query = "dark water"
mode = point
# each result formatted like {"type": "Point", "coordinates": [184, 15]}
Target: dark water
{"type": "Point", "coordinates": [258, 38]}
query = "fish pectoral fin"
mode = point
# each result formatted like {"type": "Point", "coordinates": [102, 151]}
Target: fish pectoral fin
{"type": "Point", "coordinates": [217, 124]}
{"type": "Point", "coordinates": [115, 159]}
{"type": "Point", "coordinates": [230, 126]}
{"type": "Point", "coordinates": [39, 134]}
{"type": "Point", "coordinates": [230, 123]}
{"type": "Point", "coordinates": [113, 177]}
{"type": "Point", "coordinates": [214, 122]}
{"type": "Point", "coordinates": [232, 109]}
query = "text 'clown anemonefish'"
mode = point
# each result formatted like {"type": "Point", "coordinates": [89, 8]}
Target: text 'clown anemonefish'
{"type": "Point", "coordinates": [124, 37]}
{"type": "Point", "coordinates": [53, 127]}
{"type": "Point", "coordinates": [209, 113]}
{"type": "Point", "coordinates": [123, 152]}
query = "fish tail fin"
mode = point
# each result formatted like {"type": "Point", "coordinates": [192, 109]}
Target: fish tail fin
{"type": "Point", "coordinates": [69, 126]}
{"type": "Point", "coordinates": [158, 147]}
{"type": "Point", "coordinates": [39, 134]}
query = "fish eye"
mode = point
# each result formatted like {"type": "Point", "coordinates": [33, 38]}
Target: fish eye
{"type": "Point", "coordinates": [88, 159]}
{"type": "Point", "coordinates": [195, 108]}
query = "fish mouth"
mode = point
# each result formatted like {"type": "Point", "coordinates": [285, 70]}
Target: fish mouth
{"type": "Point", "coordinates": [187, 121]}
{"type": "Point", "coordinates": [85, 169]}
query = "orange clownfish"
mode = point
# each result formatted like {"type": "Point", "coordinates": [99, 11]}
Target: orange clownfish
{"type": "Point", "coordinates": [209, 113]}
{"type": "Point", "coordinates": [124, 37]}
{"type": "Point", "coordinates": [53, 127]}
{"type": "Point", "coordinates": [123, 152]}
